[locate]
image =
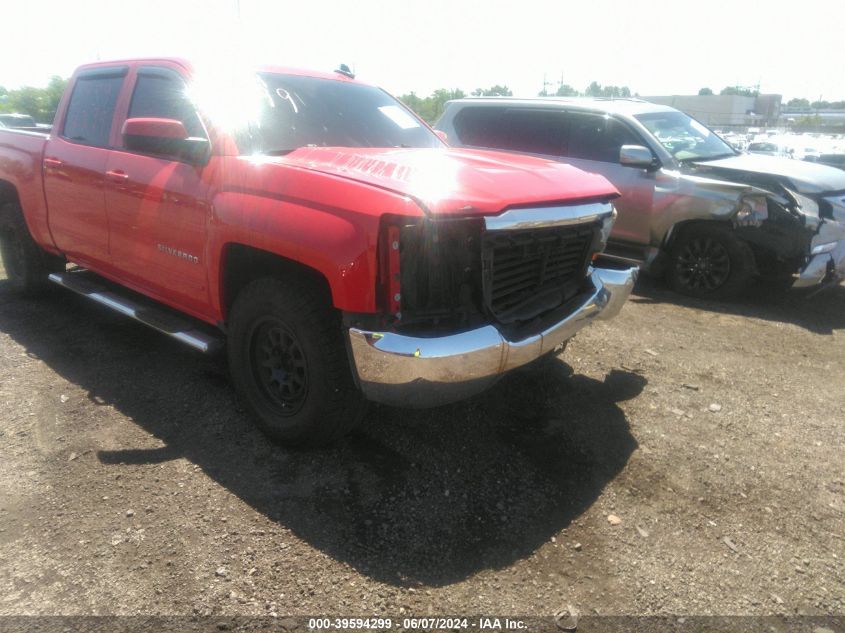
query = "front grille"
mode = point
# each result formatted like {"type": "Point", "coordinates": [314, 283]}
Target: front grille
{"type": "Point", "coordinates": [528, 272]}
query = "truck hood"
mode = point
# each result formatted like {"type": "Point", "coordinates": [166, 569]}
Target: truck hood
{"type": "Point", "coordinates": [804, 177]}
{"type": "Point", "coordinates": [448, 181]}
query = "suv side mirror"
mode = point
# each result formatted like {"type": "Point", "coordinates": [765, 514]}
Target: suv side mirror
{"type": "Point", "coordinates": [636, 156]}
{"type": "Point", "coordinates": [442, 136]}
{"type": "Point", "coordinates": [167, 137]}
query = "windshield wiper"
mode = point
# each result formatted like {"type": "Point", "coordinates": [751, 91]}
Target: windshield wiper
{"type": "Point", "coordinates": [280, 152]}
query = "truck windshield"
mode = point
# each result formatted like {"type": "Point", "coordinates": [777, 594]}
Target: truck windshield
{"type": "Point", "coordinates": [684, 137]}
{"type": "Point", "coordinates": [299, 111]}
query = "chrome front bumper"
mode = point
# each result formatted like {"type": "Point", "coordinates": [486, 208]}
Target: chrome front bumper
{"type": "Point", "coordinates": [414, 371]}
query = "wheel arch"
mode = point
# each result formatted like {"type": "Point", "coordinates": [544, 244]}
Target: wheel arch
{"type": "Point", "coordinates": [241, 264]}
{"type": "Point", "coordinates": [8, 193]}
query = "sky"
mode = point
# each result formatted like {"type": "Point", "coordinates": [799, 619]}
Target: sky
{"type": "Point", "coordinates": [655, 48]}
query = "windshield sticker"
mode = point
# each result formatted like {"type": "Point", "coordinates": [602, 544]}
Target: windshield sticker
{"type": "Point", "coordinates": [399, 117]}
{"type": "Point", "coordinates": [700, 128]}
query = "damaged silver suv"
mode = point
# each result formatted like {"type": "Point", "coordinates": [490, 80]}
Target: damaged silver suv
{"type": "Point", "coordinates": [692, 208]}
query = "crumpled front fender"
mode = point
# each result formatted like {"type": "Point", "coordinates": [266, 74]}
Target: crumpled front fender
{"type": "Point", "coordinates": [683, 197]}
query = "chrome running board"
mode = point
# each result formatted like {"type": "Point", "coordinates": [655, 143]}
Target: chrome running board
{"type": "Point", "coordinates": [141, 309]}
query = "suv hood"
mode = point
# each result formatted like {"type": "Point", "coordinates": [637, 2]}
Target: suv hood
{"type": "Point", "coordinates": [804, 177]}
{"type": "Point", "coordinates": [448, 181]}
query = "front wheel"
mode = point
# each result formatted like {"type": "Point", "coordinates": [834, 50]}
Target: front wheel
{"type": "Point", "coordinates": [709, 261]}
{"type": "Point", "coordinates": [289, 364]}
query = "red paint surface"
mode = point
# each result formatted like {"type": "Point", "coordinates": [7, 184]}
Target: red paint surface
{"type": "Point", "coordinates": [163, 227]}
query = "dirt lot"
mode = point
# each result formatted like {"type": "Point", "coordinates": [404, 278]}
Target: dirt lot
{"type": "Point", "coordinates": [131, 481]}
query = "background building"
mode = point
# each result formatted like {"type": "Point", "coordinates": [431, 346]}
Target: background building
{"type": "Point", "coordinates": [727, 111]}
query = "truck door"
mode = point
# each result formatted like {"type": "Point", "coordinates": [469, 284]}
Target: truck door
{"type": "Point", "coordinates": [157, 205]}
{"type": "Point", "coordinates": [593, 145]}
{"type": "Point", "coordinates": [75, 165]}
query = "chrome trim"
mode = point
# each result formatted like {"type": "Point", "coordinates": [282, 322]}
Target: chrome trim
{"type": "Point", "coordinates": [416, 371]}
{"type": "Point", "coordinates": [190, 336]}
{"type": "Point", "coordinates": [542, 217]}
{"type": "Point", "coordinates": [619, 284]}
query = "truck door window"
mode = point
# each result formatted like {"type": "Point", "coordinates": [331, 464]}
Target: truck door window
{"type": "Point", "coordinates": [596, 137]}
{"type": "Point", "coordinates": [160, 93]}
{"type": "Point", "coordinates": [91, 109]}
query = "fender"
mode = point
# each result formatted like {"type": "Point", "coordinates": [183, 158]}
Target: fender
{"type": "Point", "coordinates": [681, 198]}
{"type": "Point", "coordinates": [327, 223]}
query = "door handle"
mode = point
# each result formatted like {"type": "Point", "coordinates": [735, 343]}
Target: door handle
{"type": "Point", "coordinates": [52, 163]}
{"type": "Point", "coordinates": [117, 175]}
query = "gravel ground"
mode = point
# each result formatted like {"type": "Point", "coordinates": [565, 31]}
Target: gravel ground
{"type": "Point", "coordinates": [685, 458]}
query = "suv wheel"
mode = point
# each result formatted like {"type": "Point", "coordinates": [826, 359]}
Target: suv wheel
{"type": "Point", "coordinates": [709, 261]}
{"type": "Point", "coordinates": [289, 364]}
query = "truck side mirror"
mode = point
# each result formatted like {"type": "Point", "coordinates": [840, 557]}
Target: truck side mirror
{"type": "Point", "coordinates": [167, 137]}
{"type": "Point", "coordinates": [636, 156]}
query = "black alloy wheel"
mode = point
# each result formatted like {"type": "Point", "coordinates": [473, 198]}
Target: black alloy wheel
{"type": "Point", "coordinates": [703, 264]}
{"type": "Point", "coordinates": [708, 260]}
{"type": "Point", "coordinates": [279, 365]}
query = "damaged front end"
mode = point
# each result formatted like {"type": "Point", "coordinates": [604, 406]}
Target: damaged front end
{"type": "Point", "coordinates": [465, 300]}
{"type": "Point", "coordinates": [457, 273]}
{"type": "Point", "coordinates": [792, 234]}
{"type": "Point", "coordinates": [826, 259]}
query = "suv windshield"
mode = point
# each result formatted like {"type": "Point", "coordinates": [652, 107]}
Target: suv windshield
{"type": "Point", "coordinates": [299, 111]}
{"type": "Point", "coordinates": [684, 137]}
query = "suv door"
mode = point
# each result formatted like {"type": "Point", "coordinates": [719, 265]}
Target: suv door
{"type": "Point", "coordinates": [593, 145]}
{"type": "Point", "coordinates": [158, 206]}
{"type": "Point", "coordinates": [75, 165]}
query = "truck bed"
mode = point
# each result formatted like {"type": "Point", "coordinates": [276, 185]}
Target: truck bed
{"type": "Point", "coordinates": [21, 155]}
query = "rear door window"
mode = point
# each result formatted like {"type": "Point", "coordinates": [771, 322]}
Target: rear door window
{"type": "Point", "coordinates": [480, 127]}
{"type": "Point", "coordinates": [531, 130]}
{"type": "Point", "coordinates": [598, 137]}
{"type": "Point", "coordinates": [90, 112]}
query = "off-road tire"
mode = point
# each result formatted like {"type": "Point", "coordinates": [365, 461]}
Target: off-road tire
{"type": "Point", "coordinates": [26, 264]}
{"type": "Point", "coordinates": [709, 261]}
{"type": "Point", "coordinates": [289, 363]}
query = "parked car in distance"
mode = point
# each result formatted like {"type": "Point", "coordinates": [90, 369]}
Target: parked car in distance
{"type": "Point", "coordinates": [314, 225]}
{"type": "Point", "coordinates": [692, 208]}
{"type": "Point", "coordinates": [17, 121]}
{"type": "Point", "coordinates": [833, 160]}
{"type": "Point", "coordinates": [769, 148]}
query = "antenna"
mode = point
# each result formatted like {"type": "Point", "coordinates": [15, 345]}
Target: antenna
{"type": "Point", "coordinates": [344, 70]}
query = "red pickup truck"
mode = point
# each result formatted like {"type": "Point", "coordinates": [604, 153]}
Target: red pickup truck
{"type": "Point", "coordinates": [312, 225]}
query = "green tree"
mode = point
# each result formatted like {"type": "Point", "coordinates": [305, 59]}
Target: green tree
{"type": "Point", "coordinates": [798, 103]}
{"type": "Point", "coordinates": [430, 108]}
{"type": "Point", "coordinates": [39, 103]}
{"type": "Point", "coordinates": [739, 91]}
{"type": "Point", "coordinates": [494, 91]}
{"type": "Point", "coordinates": [593, 90]}
{"type": "Point", "coordinates": [705, 92]}
{"type": "Point", "coordinates": [53, 94]}
{"type": "Point", "coordinates": [565, 90]}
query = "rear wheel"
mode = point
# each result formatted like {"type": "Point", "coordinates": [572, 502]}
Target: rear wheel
{"type": "Point", "coordinates": [288, 362]}
{"type": "Point", "coordinates": [709, 261]}
{"type": "Point", "coordinates": [26, 264]}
